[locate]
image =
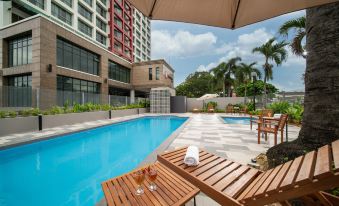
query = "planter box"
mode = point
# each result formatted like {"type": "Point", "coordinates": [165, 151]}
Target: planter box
{"type": "Point", "coordinates": [18, 125]}
{"type": "Point", "coordinates": [49, 121]}
{"type": "Point", "coordinates": [28, 124]}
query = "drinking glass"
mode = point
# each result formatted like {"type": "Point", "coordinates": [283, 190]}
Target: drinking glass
{"type": "Point", "coordinates": [139, 177]}
{"type": "Point", "coordinates": [152, 176]}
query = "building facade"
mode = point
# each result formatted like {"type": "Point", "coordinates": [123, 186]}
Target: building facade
{"type": "Point", "coordinates": [142, 37]}
{"type": "Point", "coordinates": [60, 66]}
{"type": "Point", "coordinates": [108, 23]}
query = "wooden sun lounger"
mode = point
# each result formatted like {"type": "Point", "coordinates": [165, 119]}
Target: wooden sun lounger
{"type": "Point", "coordinates": [230, 183]}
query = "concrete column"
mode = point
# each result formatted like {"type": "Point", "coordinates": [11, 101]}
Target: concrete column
{"type": "Point", "coordinates": [132, 95]}
{"type": "Point", "coordinates": [5, 13]}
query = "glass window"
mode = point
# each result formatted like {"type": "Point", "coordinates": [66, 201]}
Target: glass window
{"type": "Point", "coordinates": [20, 51]}
{"type": "Point", "coordinates": [89, 2]}
{"type": "Point", "coordinates": [84, 12]}
{"type": "Point", "coordinates": [19, 91]}
{"type": "Point", "coordinates": [118, 22]}
{"type": "Point", "coordinates": [84, 28]}
{"type": "Point", "coordinates": [117, 9]}
{"type": "Point", "coordinates": [101, 38]}
{"type": "Point", "coordinates": [157, 73]}
{"type": "Point", "coordinates": [67, 2]}
{"type": "Point", "coordinates": [119, 72]}
{"type": "Point", "coordinates": [101, 25]}
{"type": "Point", "coordinates": [101, 11]}
{"type": "Point", "coordinates": [103, 1]}
{"type": "Point", "coordinates": [70, 90]}
{"type": "Point", "coordinates": [39, 3]}
{"type": "Point", "coordinates": [150, 74]}
{"type": "Point", "coordinates": [61, 14]}
{"type": "Point", "coordinates": [77, 58]}
{"type": "Point", "coordinates": [117, 34]}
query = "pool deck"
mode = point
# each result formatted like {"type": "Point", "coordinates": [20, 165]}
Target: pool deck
{"type": "Point", "coordinates": [233, 141]}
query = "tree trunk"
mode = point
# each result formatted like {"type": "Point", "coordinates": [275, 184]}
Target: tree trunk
{"type": "Point", "coordinates": [320, 123]}
{"type": "Point", "coordinates": [265, 93]}
{"type": "Point", "coordinates": [245, 92]}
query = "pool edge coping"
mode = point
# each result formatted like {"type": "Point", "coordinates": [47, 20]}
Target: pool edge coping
{"type": "Point", "coordinates": [111, 122]}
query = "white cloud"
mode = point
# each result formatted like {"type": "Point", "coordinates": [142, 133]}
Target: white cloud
{"type": "Point", "coordinates": [181, 44]}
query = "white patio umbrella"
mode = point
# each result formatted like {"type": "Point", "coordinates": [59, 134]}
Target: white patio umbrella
{"type": "Point", "coordinates": [207, 96]}
{"type": "Point", "coordinates": [230, 14]}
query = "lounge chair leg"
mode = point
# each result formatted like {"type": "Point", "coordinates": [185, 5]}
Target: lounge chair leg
{"type": "Point", "coordinates": [282, 136]}
{"type": "Point", "coordinates": [195, 204]}
{"type": "Point", "coordinates": [275, 138]}
{"type": "Point", "coordinates": [266, 136]}
{"type": "Point", "coordinates": [259, 134]}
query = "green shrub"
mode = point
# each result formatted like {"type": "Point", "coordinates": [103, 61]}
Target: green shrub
{"type": "Point", "coordinates": [250, 106]}
{"type": "Point", "coordinates": [56, 110]}
{"type": "Point", "coordinates": [144, 103]}
{"type": "Point", "coordinates": [2, 114]}
{"type": "Point", "coordinates": [213, 104]}
{"type": "Point", "coordinates": [279, 107]}
{"type": "Point", "coordinates": [12, 114]}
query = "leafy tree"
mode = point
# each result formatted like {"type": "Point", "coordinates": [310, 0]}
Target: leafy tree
{"type": "Point", "coordinates": [196, 85]}
{"type": "Point", "coordinates": [243, 74]}
{"type": "Point", "coordinates": [299, 27]}
{"type": "Point", "coordinates": [257, 87]}
{"type": "Point", "coordinates": [273, 52]}
{"type": "Point", "coordinates": [224, 75]}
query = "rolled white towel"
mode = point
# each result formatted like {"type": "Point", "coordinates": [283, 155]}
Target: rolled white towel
{"type": "Point", "coordinates": [192, 156]}
{"type": "Point", "coordinates": [276, 115]}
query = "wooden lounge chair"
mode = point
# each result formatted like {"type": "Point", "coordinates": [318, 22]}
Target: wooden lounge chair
{"type": "Point", "coordinates": [264, 113]}
{"type": "Point", "coordinates": [230, 183]}
{"type": "Point", "coordinates": [195, 110]}
{"type": "Point", "coordinates": [267, 128]}
{"type": "Point", "coordinates": [243, 110]}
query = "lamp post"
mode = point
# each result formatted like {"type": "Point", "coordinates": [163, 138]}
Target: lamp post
{"type": "Point", "coordinates": [254, 79]}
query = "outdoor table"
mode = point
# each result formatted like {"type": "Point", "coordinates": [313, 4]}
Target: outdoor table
{"type": "Point", "coordinates": [172, 189]}
{"type": "Point", "coordinates": [277, 119]}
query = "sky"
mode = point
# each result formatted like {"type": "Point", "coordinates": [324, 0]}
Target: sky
{"type": "Point", "coordinates": [190, 47]}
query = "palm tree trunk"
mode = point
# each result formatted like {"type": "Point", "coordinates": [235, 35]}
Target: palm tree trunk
{"type": "Point", "coordinates": [245, 92]}
{"type": "Point", "coordinates": [265, 95]}
{"type": "Point", "coordinates": [320, 123]}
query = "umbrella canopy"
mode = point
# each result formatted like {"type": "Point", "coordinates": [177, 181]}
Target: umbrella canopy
{"type": "Point", "coordinates": [221, 13]}
{"type": "Point", "coordinates": [207, 96]}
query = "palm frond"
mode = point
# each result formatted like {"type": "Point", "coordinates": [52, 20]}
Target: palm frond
{"type": "Point", "coordinates": [299, 24]}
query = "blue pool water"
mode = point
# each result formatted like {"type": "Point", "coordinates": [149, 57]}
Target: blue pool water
{"type": "Point", "coordinates": [236, 120]}
{"type": "Point", "coordinates": [68, 170]}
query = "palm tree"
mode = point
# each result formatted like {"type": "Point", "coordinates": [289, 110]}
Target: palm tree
{"type": "Point", "coordinates": [273, 52]}
{"type": "Point", "coordinates": [320, 125]}
{"type": "Point", "coordinates": [243, 74]}
{"type": "Point", "coordinates": [299, 27]}
{"type": "Point", "coordinates": [223, 74]}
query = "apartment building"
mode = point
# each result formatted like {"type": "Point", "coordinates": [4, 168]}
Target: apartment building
{"type": "Point", "coordinates": [142, 37]}
{"type": "Point", "coordinates": [108, 23]}
{"type": "Point", "coordinates": [44, 59]}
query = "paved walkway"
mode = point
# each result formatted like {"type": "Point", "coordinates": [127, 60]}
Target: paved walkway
{"type": "Point", "coordinates": [232, 141]}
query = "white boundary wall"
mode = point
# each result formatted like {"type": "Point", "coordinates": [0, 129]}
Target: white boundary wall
{"type": "Point", "coordinates": [222, 102]}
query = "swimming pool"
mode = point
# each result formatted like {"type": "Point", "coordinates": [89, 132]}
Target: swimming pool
{"type": "Point", "coordinates": [237, 120]}
{"type": "Point", "coordinates": [68, 170]}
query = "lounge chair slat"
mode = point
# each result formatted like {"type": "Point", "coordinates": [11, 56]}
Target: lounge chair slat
{"type": "Point", "coordinates": [279, 178]}
{"type": "Point", "coordinates": [180, 154]}
{"type": "Point", "coordinates": [171, 153]}
{"type": "Point", "coordinates": [180, 160]}
{"type": "Point", "coordinates": [221, 174]}
{"type": "Point", "coordinates": [208, 166]}
{"type": "Point", "coordinates": [205, 175]}
{"type": "Point", "coordinates": [243, 182]}
{"type": "Point", "coordinates": [250, 194]}
{"type": "Point", "coordinates": [335, 152]}
{"type": "Point", "coordinates": [292, 173]}
{"type": "Point", "coordinates": [249, 188]}
{"type": "Point", "coordinates": [323, 164]}
{"type": "Point", "coordinates": [267, 182]}
{"type": "Point", "coordinates": [203, 162]}
{"type": "Point", "coordinates": [231, 177]}
{"type": "Point", "coordinates": [307, 169]}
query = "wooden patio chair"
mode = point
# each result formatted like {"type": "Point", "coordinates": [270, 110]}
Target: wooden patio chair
{"type": "Point", "coordinates": [230, 109]}
{"type": "Point", "coordinates": [210, 108]}
{"type": "Point", "coordinates": [266, 127]}
{"type": "Point", "coordinates": [243, 110]}
{"type": "Point", "coordinates": [257, 119]}
{"type": "Point", "coordinates": [230, 183]}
